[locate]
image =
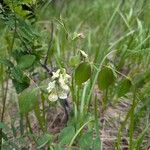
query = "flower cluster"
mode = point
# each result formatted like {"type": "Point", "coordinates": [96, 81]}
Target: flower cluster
{"type": "Point", "coordinates": [58, 88]}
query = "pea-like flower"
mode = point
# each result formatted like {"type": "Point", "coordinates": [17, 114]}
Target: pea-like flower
{"type": "Point", "coordinates": [83, 54]}
{"type": "Point", "coordinates": [58, 88]}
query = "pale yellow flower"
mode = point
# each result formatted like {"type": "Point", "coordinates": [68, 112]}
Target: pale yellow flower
{"type": "Point", "coordinates": [56, 74]}
{"type": "Point", "coordinates": [58, 88]}
{"type": "Point", "coordinates": [83, 54]}
{"type": "Point", "coordinates": [51, 85]}
{"type": "Point", "coordinates": [53, 96]}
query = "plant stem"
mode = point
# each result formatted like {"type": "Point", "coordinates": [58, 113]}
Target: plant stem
{"type": "Point", "coordinates": [4, 97]}
{"type": "Point", "coordinates": [105, 100]}
{"type": "Point", "coordinates": [131, 128]}
{"type": "Point", "coordinates": [77, 133]}
{"type": "Point", "coordinates": [96, 116]}
{"type": "Point", "coordinates": [43, 110]}
{"type": "Point", "coordinates": [39, 117]}
{"type": "Point", "coordinates": [78, 96]}
{"type": "Point", "coordinates": [30, 128]}
{"type": "Point", "coordinates": [124, 123]}
{"type": "Point", "coordinates": [29, 124]}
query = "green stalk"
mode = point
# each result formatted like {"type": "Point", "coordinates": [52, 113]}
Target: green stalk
{"type": "Point", "coordinates": [83, 102]}
{"type": "Point", "coordinates": [77, 133]}
{"type": "Point", "coordinates": [124, 123]}
{"type": "Point", "coordinates": [131, 128]}
{"type": "Point", "coordinates": [75, 116]}
{"type": "Point", "coordinates": [73, 89]}
{"type": "Point", "coordinates": [78, 96]}
{"type": "Point", "coordinates": [43, 110]}
{"type": "Point", "coordinates": [30, 127]}
{"type": "Point", "coordinates": [96, 116]}
{"type": "Point", "coordinates": [121, 128]}
{"type": "Point", "coordinates": [97, 122]}
{"type": "Point", "coordinates": [105, 99]}
{"type": "Point", "coordinates": [29, 124]}
{"type": "Point", "coordinates": [21, 125]}
{"type": "Point", "coordinates": [4, 98]}
{"type": "Point", "coordinates": [39, 117]}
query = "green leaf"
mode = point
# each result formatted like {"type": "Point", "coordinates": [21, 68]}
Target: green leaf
{"type": "Point", "coordinates": [85, 141]}
{"type": "Point", "coordinates": [82, 73]}
{"type": "Point", "coordinates": [20, 81]}
{"type": "Point", "coordinates": [20, 86]}
{"type": "Point", "coordinates": [45, 139]}
{"type": "Point", "coordinates": [124, 87]}
{"type": "Point", "coordinates": [17, 53]}
{"type": "Point", "coordinates": [26, 61]}
{"type": "Point", "coordinates": [17, 74]}
{"type": "Point", "coordinates": [39, 116]}
{"type": "Point", "coordinates": [6, 62]}
{"type": "Point", "coordinates": [28, 100]}
{"type": "Point", "coordinates": [58, 147]}
{"type": "Point", "coordinates": [96, 144]}
{"type": "Point", "coordinates": [106, 78]}
{"type": "Point", "coordinates": [66, 135]}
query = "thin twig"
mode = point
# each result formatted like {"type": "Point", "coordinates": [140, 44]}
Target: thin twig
{"type": "Point", "coordinates": [65, 106]}
{"type": "Point", "coordinates": [46, 68]}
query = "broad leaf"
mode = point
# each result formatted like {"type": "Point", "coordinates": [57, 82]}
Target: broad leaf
{"type": "Point", "coordinates": [26, 61]}
{"type": "Point", "coordinates": [85, 141]}
{"type": "Point", "coordinates": [28, 100]}
{"type": "Point", "coordinates": [66, 135]}
{"type": "Point", "coordinates": [124, 87]}
{"type": "Point", "coordinates": [17, 74]}
{"type": "Point", "coordinates": [82, 73]}
{"type": "Point", "coordinates": [106, 78]}
{"type": "Point", "coordinates": [20, 81]}
{"type": "Point", "coordinates": [21, 86]}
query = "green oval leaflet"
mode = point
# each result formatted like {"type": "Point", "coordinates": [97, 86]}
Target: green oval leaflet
{"type": "Point", "coordinates": [82, 73]}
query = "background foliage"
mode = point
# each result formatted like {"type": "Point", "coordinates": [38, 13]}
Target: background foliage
{"type": "Point", "coordinates": [41, 36]}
